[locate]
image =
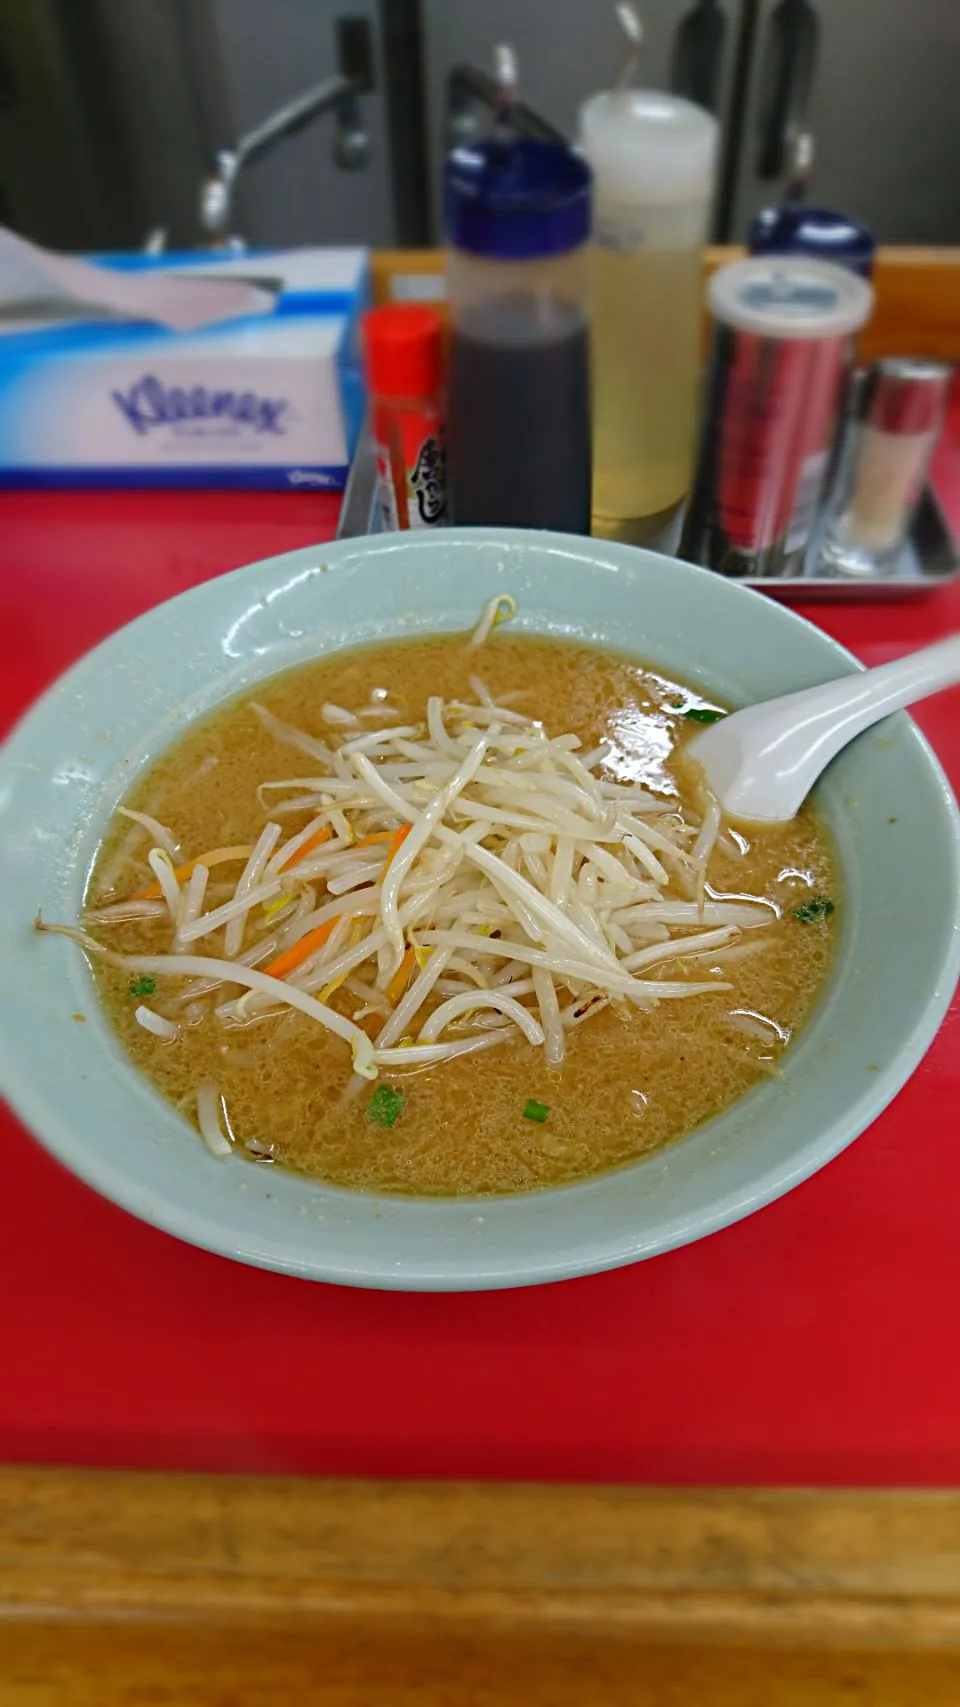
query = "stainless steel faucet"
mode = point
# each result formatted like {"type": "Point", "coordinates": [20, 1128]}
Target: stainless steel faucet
{"type": "Point", "coordinates": [351, 149]}
{"type": "Point", "coordinates": [468, 88]}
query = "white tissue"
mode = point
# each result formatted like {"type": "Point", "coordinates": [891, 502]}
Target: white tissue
{"type": "Point", "coordinates": [181, 302]}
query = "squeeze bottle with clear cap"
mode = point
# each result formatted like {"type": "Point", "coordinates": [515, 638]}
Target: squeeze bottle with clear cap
{"type": "Point", "coordinates": [653, 159]}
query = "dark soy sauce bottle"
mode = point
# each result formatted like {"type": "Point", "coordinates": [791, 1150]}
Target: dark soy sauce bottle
{"type": "Point", "coordinates": [518, 430]}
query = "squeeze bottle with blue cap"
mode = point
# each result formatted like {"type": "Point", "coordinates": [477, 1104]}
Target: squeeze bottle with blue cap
{"type": "Point", "coordinates": [518, 427]}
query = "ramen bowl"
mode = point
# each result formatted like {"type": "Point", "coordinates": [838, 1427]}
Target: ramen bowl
{"type": "Point", "coordinates": [885, 800]}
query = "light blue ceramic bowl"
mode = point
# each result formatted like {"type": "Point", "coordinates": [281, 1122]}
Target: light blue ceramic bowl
{"type": "Point", "coordinates": [886, 800]}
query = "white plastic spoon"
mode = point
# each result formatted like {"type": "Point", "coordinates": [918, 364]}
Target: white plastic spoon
{"type": "Point", "coordinates": [762, 762]}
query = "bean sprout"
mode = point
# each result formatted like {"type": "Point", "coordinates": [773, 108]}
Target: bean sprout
{"type": "Point", "coordinates": [163, 837]}
{"type": "Point", "coordinates": [156, 1024]}
{"type": "Point", "coordinates": [468, 870]}
{"type": "Point", "coordinates": [210, 1113]}
{"type": "Point", "coordinates": [500, 609]}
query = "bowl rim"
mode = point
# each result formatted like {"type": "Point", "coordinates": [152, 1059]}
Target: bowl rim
{"type": "Point", "coordinates": [53, 1129]}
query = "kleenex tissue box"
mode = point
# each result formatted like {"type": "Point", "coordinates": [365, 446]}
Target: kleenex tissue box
{"type": "Point", "coordinates": [272, 400]}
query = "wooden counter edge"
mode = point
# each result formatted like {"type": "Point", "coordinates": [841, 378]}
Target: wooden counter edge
{"type": "Point", "coordinates": [353, 1566]}
{"type": "Point", "coordinates": [917, 308]}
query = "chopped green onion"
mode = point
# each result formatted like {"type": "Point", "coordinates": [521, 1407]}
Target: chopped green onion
{"type": "Point", "coordinates": [537, 1111]}
{"type": "Point", "coordinates": [385, 1106]}
{"type": "Point", "coordinates": [143, 987]}
{"type": "Point", "coordinates": [703, 714]}
{"type": "Point", "coordinates": [818, 907]}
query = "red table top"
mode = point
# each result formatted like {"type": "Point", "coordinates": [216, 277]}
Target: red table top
{"type": "Point", "coordinates": [813, 1343]}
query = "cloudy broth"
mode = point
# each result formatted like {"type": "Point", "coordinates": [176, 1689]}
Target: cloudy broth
{"type": "Point", "coordinates": [631, 1081]}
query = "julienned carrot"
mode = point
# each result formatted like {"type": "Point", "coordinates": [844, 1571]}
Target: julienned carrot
{"type": "Point", "coordinates": [305, 848]}
{"type": "Point", "coordinates": [396, 838]}
{"type": "Point", "coordinates": [216, 856]}
{"type": "Point", "coordinates": [401, 977]}
{"type": "Point", "coordinates": [396, 841]}
{"type": "Point", "coordinates": [358, 930]}
{"type": "Point", "coordinates": [298, 952]}
{"type": "Point", "coordinates": [369, 841]}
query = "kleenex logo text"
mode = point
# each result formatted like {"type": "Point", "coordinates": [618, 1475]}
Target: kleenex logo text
{"type": "Point", "coordinates": [148, 404]}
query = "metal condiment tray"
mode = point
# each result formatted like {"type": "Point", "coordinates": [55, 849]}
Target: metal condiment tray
{"type": "Point", "coordinates": [930, 557]}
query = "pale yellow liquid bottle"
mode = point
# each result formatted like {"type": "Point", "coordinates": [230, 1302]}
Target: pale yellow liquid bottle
{"type": "Point", "coordinates": [653, 158]}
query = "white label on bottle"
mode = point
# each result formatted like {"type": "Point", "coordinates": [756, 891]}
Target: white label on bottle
{"type": "Point", "coordinates": [418, 287]}
{"type": "Point", "coordinates": [806, 501]}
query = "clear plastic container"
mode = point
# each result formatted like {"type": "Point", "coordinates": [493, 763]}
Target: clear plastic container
{"type": "Point", "coordinates": [518, 220]}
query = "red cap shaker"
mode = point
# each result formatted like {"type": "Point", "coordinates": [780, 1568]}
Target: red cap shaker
{"type": "Point", "coordinates": [403, 347]}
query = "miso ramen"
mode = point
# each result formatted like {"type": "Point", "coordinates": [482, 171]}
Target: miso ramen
{"type": "Point", "coordinates": [437, 918]}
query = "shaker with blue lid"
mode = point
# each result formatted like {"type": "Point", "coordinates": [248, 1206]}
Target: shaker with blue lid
{"type": "Point", "coordinates": [817, 232]}
{"type": "Point", "coordinates": [517, 215]}
{"type": "Point", "coordinates": [820, 233]}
